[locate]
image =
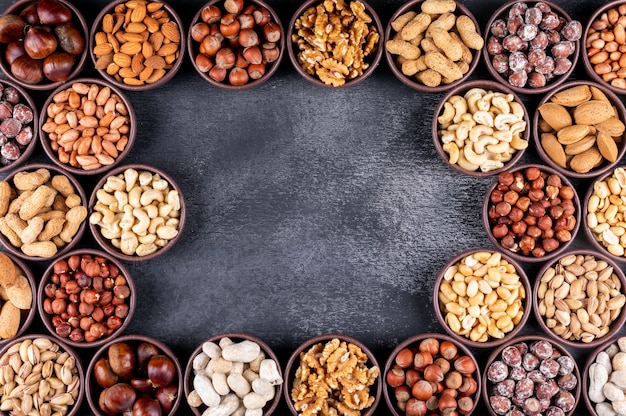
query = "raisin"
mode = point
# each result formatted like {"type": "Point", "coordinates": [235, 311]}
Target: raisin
{"type": "Point", "coordinates": [511, 356]}
{"type": "Point", "coordinates": [498, 28]}
{"type": "Point", "coordinates": [10, 151]}
{"type": "Point", "coordinates": [549, 368]}
{"type": "Point", "coordinates": [500, 405]}
{"type": "Point", "coordinates": [497, 371]}
{"type": "Point", "coordinates": [572, 30]}
{"type": "Point", "coordinates": [10, 127]}
{"type": "Point", "coordinates": [518, 79]}
{"type": "Point", "coordinates": [500, 63]}
{"type": "Point", "coordinates": [23, 113]}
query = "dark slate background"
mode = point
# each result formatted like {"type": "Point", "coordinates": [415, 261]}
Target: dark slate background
{"type": "Point", "coordinates": [310, 211]}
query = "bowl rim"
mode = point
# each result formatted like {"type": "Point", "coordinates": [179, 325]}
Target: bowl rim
{"type": "Point", "coordinates": [78, 66]}
{"type": "Point", "coordinates": [615, 326]}
{"type": "Point", "coordinates": [410, 81]}
{"type": "Point", "coordinates": [235, 336]}
{"type": "Point", "coordinates": [526, 90]}
{"type": "Point", "coordinates": [414, 339]}
{"type": "Point", "coordinates": [271, 67]}
{"type": "Point", "coordinates": [132, 301]}
{"type": "Point", "coordinates": [90, 388]}
{"type": "Point", "coordinates": [375, 60]}
{"type": "Point", "coordinates": [79, 190]}
{"type": "Point", "coordinates": [493, 342]}
{"type": "Point", "coordinates": [72, 352]}
{"type": "Point", "coordinates": [563, 246]}
{"type": "Point", "coordinates": [25, 323]}
{"type": "Point", "coordinates": [290, 368]}
{"type": "Point", "coordinates": [585, 59]}
{"type": "Point", "coordinates": [528, 339]}
{"type": "Point", "coordinates": [605, 167]}
{"type": "Point", "coordinates": [169, 74]}
{"type": "Point", "coordinates": [104, 243]}
{"type": "Point", "coordinates": [132, 134]}
{"type": "Point", "coordinates": [461, 89]}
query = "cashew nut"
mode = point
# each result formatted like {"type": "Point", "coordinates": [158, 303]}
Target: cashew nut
{"type": "Point", "coordinates": [465, 164]}
{"type": "Point", "coordinates": [485, 118]}
{"type": "Point", "coordinates": [502, 121]}
{"type": "Point", "coordinates": [517, 109]}
{"type": "Point", "coordinates": [503, 135]}
{"type": "Point", "coordinates": [518, 127]}
{"type": "Point", "coordinates": [472, 157]}
{"type": "Point", "coordinates": [472, 97]}
{"type": "Point", "coordinates": [150, 195]}
{"type": "Point", "coordinates": [490, 165]}
{"type": "Point", "coordinates": [448, 114]}
{"type": "Point", "coordinates": [143, 221]}
{"type": "Point", "coordinates": [145, 178]}
{"type": "Point", "coordinates": [501, 103]}
{"type": "Point", "coordinates": [484, 141]}
{"type": "Point", "coordinates": [128, 218]}
{"type": "Point", "coordinates": [480, 130]}
{"type": "Point", "coordinates": [130, 177]}
{"type": "Point", "coordinates": [460, 107]}
{"type": "Point", "coordinates": [518, 143]}
{"type": "Point", "coordinates": [499, 147]}
{"type": "Point", "coordinates": [485, 102]}
{"type": "Point", "coordinates": [453, 151]}
{"type": "Point", "coordinates": [134, 196]}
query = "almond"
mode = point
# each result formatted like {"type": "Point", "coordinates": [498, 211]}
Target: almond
{"type": "Point", "coordinates": [572, 134]}
{"type": "Point", "coordinates": [138, 13]}
{"type": "Point", "coordinates": [171, 32]}
{"type": "Point", "coordinates": [133, 37]}
{"type": "Point", "coordinates": [168, 49]}
{"type": "Point", "coordinates": [8, 276]}
{"type": "Point", "coordinates": [581, 145]}
{"type": "Point", "coordinates": [553, 149]}
{"type": "Point", "coordinates": [130, 48]}
{"type": "Point", "coordinates": [136, 27]}
{"type": "Point", "coordinates": [555, 115]}
{"type": "Point", "coordinates": [20, 294]}
{"type": "Point", "coordinates": [155, 61]}
{"type": "Point", "coordinates": [122, 60]}
{"type": "Point", "coordinates": [9, 320]}
{"type": "Point", "coordinates": [151, 24]}
{"type": "Point", "coordinates": [156, 75]}
{"type": "Point", "coordinates": [572, 97]}
{"type": "Point", "coordinates": [102, 49]}
{"type": "Point", "coordinates": [154, 6]}
{"type": "Point", "coordinates": [597, 94]}
{"type": "Point", "coordinates": [107, 23]}
{"type": "Point", "coordinates": [607, 146]}
{"type": "Point", "coordinates": [585, 161]}
{"type": "Point", "coordinates": [613, 126]}
{"type": "Point", "coordinates": [593, 112]}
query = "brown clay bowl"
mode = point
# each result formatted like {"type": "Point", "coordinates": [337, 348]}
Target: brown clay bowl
{"type": "Point", "coordinates": [375, 390]}
{"type": "Point", "coordinates": [61, 155]}
{"type": "Point", "coordinates": [9, 88]}
{"type": "Point", "coordinates": [412, 81]}
{"type": "Point", "coordinates": [170, 393]}
{"type": "Point", "coordinates": [481, 131]}
{"type": "Point", "coordinates": [602, 356]}
{"type": "Point", "coordinates": [78, 21]}
{"type": "Point", "coordinates": [198, 354]}
{"type": "Point", "coordinates": [372, 60]}
{"type": "Point", "coordinates": [26, 315]}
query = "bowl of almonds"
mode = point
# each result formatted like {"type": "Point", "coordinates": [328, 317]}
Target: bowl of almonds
{"type": "Point", "coordinates": [579, 129]}
{"type": "Point", "coordinates": [137, 44]}
{"type": "Point", "coordinates": [18, 292]}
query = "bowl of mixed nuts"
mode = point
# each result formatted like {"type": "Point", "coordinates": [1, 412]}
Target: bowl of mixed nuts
{"type": "Point", "coordinates": [18, 301]}
{"type": "Point", "coordinates": [355, 33]}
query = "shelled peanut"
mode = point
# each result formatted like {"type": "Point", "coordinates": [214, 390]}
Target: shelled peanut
{"type": "Point", "coordinates": [433, 376]}
{"type": "Point", "coordinates": [40, 212]}
{"type": "Point", "coordinates": [605, 212]}
{"type": "Point", "coordinates": [605, 45]}
{"type": "Point", "coordinates": [434, 46]}
{"type": "Point", "coordinates": [16, 297]}
{"type": "Point", "coordinates": [606, 386]}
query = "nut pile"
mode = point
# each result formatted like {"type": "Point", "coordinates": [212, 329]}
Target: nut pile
{"type": "Point", "coordinates": [232, 377]}
{"type": "Point", "coordinates": [433, 377]}
{"type": "Point", "coordinates": [237, 42]}
{"type": "Point", "coordinates": [434, 46]}
{"type": "Point", "coordinates": [16, 297]}
{"type": "Point", "coordinates": [605, 45]}
{"type": "Point", "coordinates": [16, 124]}
{"type": "Point", "coordinates": [607, 379]}
{"type": "Point", "coordinates": [580, 297]}
{"type": "Point", "coordinates": [38, 377]}
{"type": "Point", "coordinates": [531, 212]}
{"type": "Point", "coordinates": [580, 129]}
{"type": "Point", "coordinates": [481, 297]}
{"type": "Point", "coordinates": [86, 298]}
{"type": "Point", "coordinates": [40, 212]}
{"type": "Point", "coordinates": [87, 125]}
{"type": "Point", "coordinates": [531, 45]}
{"type": "Point", "coordinates": [605, 212]}
{"type": "Point", "coordinates": [333, 377]}
{"type": "Point", "coordinates": [334, 41]}
{"type": "Point", "coordinates": [138, 43]}
{"type": "Point", "coordinates": [482, 130]}
{"type": "Point", "coordinates": [530, 379]}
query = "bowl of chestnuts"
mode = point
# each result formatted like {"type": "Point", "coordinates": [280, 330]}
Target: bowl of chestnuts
{"type": "Point", "coordinates": [134, 374]}
{"type": "Point", "coordinates": [233, 371]}
{"type": "Point", "coordinates": [236, 44]}
{"type": "Point", "coordinates": [42, 43]}
{"type": "Point", "coordinates": [19, 119]}
{"type": "Point", "coordinates": [18, 305]}
{"type": "Point", "coordinates": [86, 298]}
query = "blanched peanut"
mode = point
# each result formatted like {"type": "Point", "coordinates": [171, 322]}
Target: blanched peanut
{"type": "Point", "coordinates": [606, 208]}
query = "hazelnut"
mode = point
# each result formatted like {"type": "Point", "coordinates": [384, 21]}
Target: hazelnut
{"type": "Point", "coordinates": [395, 377]}
{"type": "Point", "coordinates": [433, 373]}
{"type": "Point", "coordinates": [422, 390]}
{"type": "Point", "coordinates": [505, 178]}
{"type": "Point", "coordinates": [404, 358]}
{"type": "Point", "coordinates": [429, 345]}
{"type": "Point", "coordinates": [448, 350]}
{"type": "Point", "coordinates": [422, 359]}
{"type": "Point", "coordinates": [464, 365]}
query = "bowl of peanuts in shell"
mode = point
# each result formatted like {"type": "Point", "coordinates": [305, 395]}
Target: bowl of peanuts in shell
{"type": "Point", "coordinates": [431, 373]}
{"type": "Point", "coordinates": [311, 47]}
{"type": "Point", "coordinates": [579, 128]}
{"type": "Point", "coordinates": [603, 378]}
{"type": "Point", "coordinates": [531, 374]}
{"type": "Point", "coordinates": [137, 45]}
{"type": "Point", "coordinates": [18, 294]}
{"type": "Point", "coordinates": [43, 212]}
{"type": "Point", "coordinates": [321, 355]}
{"type": "Point", "coordinates": [482, 298]}
{"type": "Point", "coordinates": [604, 39]}
{"type": "Point", "coordinates": [148, 213]}
{"type": "Point", "coordinates": [578, 298]}
{"type": "Point", "coordinates": [481, 128]}
{"type": "Point", "coordinates": [433, 45]}
{"type": "Point", "coordinates": [230, 371]}
{"type": "Point", "coordinates": [531, 46]}
{"type": "Point", "coordinates": [88, 126]}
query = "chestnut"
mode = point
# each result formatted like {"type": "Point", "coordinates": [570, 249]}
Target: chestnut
{"type": "Point", "coordinates": [161, 370]}
{"type": "Point", "coordinates": [29, 14]}
{"type": "Point", "coordinates": [146, 406]}
{"type": "Point", "coordinates": [53, 12]}
{"type": "Point", "coordinates": [122, 359]}
{"type": "Point", "coordinates": [13, 51]}
{"type": "Point", "coordinates": [70, 39]}
{"type": "Point", "coordinates": [58, 66]}
{"type": "Point", "coordinates": [117, 398]}
{"type": "Point", "coordinates": [166, 396]}
{"type": "Point", "coordinates": [39, 43]}
{"type": "Point", "coordinates": [27, 69]}
{"type": "Point", "coordinates": [105, 377]}
{"type": "Point", "coordinates": [145, 351]}
{"type": "Point", "coordinates": [11, 28]}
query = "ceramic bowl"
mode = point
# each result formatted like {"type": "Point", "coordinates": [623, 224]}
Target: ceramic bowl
{"type": "Point", "coordinates": [211, 349]}
{"type": "Point", "coordinates": [22, 295]}
{"type": "Point", "coordinates": [265, 40]}
{"type": "Point", "coordinates": [20, 120]}
{"type": "Point", "coordinates": [425, 82]}
{"type": "Point", "coordinates": [108, 146]}
{"type": "Point", "coordinates": [559, 145]}
{"type": "Point", "coordinates": [164, 234]}
{"type": "Point", "coordinates": [543, 78]}
{"type": "Point", "coordinates": [462, 373]}
{"type": "Point", "coordinates": [449, 287]}
{"type": "Point", "coordinates": [152, 367]}
{"type": "Point", "coordinates": [91, 288]}
{"type": "Point", "coordinates": [507, 213]}
{"type": "Point", "coordinates": [489, 153]}
{"type": "Point", "coordinates": [599, 363]}
{"type": "Point", "coordinates": [25, 71]}
{"type": "Point", "coordinates": [313, 72]}
{"type": "Point", "coordinates": [57, 243]}
{"type": "Point", "coordinates": [364, 360]}
{"type": "Point", "coordinates": [138, 66]}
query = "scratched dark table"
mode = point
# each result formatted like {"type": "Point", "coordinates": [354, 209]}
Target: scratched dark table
{"type": "Point", "coordinates": [309, 210]}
